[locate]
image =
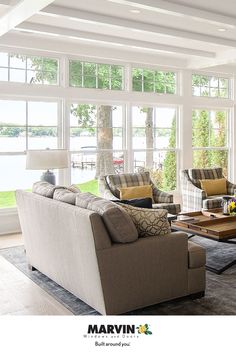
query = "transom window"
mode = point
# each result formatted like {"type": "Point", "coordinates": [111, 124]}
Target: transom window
{"type": "Point", "coordinates": [146, 80]}
{"type": "Point", "coordinates": [210, 86]}
{"type": "Point", "coordinates": [94, 75]}
{"type": "Point", "coordinates": [28, 69]}
{"type": "Point", "coordinates": [209, 139]}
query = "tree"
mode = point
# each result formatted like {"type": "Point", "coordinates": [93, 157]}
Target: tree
{"type": "Point", "coordinates": [201, 129]}
{"type": "Point", "coordinates": [169, 165]}
{"type": "Point", "coordinates": [218, 139]}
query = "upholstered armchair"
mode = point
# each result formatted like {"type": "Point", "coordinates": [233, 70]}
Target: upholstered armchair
{"type": "Point", "coordinates": [193, 197]}
{"type": "Point", "coordinates": [112, 183]}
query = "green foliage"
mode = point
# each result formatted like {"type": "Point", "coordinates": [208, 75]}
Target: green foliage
{"type": "Point", "coordinates": [153, 81]}
{"type": "Point", "coordinates": [42, 131]}
{"type": "Point", "coordinates": [200, 138]}
{"type": "Point", "coordinates": [92, 75]}
{"type": "Point", "coordinates": [169, 165]}
{"type": "Point", "coordinates": [209, 132]}
{"type": "Point", "coordinates": [11, 131]}
{"type": "Point", "coordinates": [85, 113]}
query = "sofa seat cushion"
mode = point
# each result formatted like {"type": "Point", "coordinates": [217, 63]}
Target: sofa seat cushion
{"type": "Point", "coordinates": [212, 202]}
{"type": "Point", "coordinates": [171, 207]}
{"type": "Point", "coordinates": [149, 222]}
{"type": "Point", "coordinates": [119, 224]}
{"type": "Point", "coordinates": [196, 255]}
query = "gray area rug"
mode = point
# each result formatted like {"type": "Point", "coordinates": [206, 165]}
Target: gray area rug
{"type": "Point", "coordinates": [220, 298]}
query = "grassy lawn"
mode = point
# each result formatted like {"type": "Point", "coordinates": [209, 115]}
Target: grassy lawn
{"type": "Point", "coordinates": [90, 186]}
{"type": "Point", "coordinates": [7, 199]}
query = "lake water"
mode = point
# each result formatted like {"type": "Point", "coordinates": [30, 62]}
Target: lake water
{"type": "Point", "coordinates": [13, 174]}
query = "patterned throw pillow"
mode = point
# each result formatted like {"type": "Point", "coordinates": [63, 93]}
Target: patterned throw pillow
{"type": "Point", "coordinates": [149, 222]}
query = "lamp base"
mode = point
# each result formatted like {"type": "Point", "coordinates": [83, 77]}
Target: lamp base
{"type": "Point", "coordinates": [49, 177]}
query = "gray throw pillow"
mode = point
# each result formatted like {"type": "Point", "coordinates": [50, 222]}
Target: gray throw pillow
{"type": "Point", "coordinates": [119, 224]}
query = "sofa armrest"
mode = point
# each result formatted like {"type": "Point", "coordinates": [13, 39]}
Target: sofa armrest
{"type": "Point", "coordinates": [144, 272]}
{"type": "Point", "coordinates": [160, 196]}
{"type": "Point", "coordinates": [230, 187]}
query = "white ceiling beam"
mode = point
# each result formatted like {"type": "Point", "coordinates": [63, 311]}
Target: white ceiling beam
{"type": "Point", "coordinates": [173, 8]}
{"type": "Point", "coordinates": [224, 58]}
{"type": "Point", "coordinates": [20, 12]}
{"type": "Point", "coordinates": [90, 17]}
{"type": "Point", "coordinates": [29, 43]}
{"type": "Point", "coordinates": [75, 34]}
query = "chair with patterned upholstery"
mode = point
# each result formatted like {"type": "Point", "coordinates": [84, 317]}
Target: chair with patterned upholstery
{"type": "Point", "coordinates": [112, 183]}
{"type": "Point", "coordinates": [193, 197]}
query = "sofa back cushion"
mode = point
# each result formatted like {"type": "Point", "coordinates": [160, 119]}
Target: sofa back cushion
{"type": "Point", "coordinates": [197, 174]}
{"type": "Point", "coordinates": [149, 222]}
{"type": "Point", "coordinates": [115, 182]}
{"type": "Point", "coordinates": [44, 189]}
{"type": "Point", "coordinates": [119, 224]}
{"type": "Point", "coordinates": [66, 195]}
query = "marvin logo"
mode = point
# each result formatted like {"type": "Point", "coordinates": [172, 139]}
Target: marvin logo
{"type": "Point", "coordinates": [119, 329]}
{"type": "Point", "coordinates": [111, 329]}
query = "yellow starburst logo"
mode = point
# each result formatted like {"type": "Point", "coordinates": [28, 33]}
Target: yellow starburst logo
{"type": "Point", "coordinates": [144, 329]}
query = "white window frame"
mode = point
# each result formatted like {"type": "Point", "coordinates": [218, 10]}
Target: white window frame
{"type": "Point", "coordinates": [228, 134]}
{"type": "Point", "coordinates": [176, 149]}
{"type": "Point", "coordinates": [27, 54]}
{"type": "Point", "coordinates": [218, 76]}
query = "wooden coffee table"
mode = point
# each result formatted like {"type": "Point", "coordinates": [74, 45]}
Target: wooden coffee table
{"type": "Point", "coordinates": [211, 224]}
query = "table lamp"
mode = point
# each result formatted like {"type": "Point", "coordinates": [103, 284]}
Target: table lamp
{"type": "Point", "coordinates": [47, 160]}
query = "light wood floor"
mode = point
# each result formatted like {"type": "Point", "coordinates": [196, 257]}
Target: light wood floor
{"type": "Point", "coordinates": [20, 295]}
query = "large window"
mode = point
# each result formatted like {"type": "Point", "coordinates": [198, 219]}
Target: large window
{"type": "Point", "coordinates": [96, 141]}
{"type": "Point", "coordinates": [23, 125]}
{"type": "Point", "coordinates": [154, 143]}
{"type": "Point", "coordinates": [28, 69]}
{"type": "Point", "coordinates": [93, 75]}
{"type": "Point", "coordinates": [210, 143]}
{"type": "Point", "coordinates": [210, 86]}
{"type": "Point", "coordinates": [146, 80]}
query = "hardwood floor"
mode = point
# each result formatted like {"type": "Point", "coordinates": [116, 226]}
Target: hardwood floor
{"type": "Point", "coordinates": [20, 295]}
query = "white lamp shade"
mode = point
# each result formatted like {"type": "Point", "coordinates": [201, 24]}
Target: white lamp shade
{"type": "Point", "coordinates": [47, 159]}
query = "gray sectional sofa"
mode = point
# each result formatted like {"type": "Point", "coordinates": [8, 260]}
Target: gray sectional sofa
{"type": "Point", "coordinates": [73, 247]}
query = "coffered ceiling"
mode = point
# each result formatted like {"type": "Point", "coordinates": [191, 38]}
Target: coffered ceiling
{"type": "Point", "coordinates": [196, 34]}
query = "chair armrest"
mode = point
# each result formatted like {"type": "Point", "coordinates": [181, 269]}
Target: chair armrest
{"type": "Point", "coordinates": [143, 272]}
{"type": "Point", "coordinates": [230, 187]}
{"type": "Point", "coordinates": [105, 191]}
{"type": "Point", "coordinates": [160, 196]}
{"type": "Point", "coordinates": [108, 195]}
{"type": "Point", "coordinates": [192, 196]}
